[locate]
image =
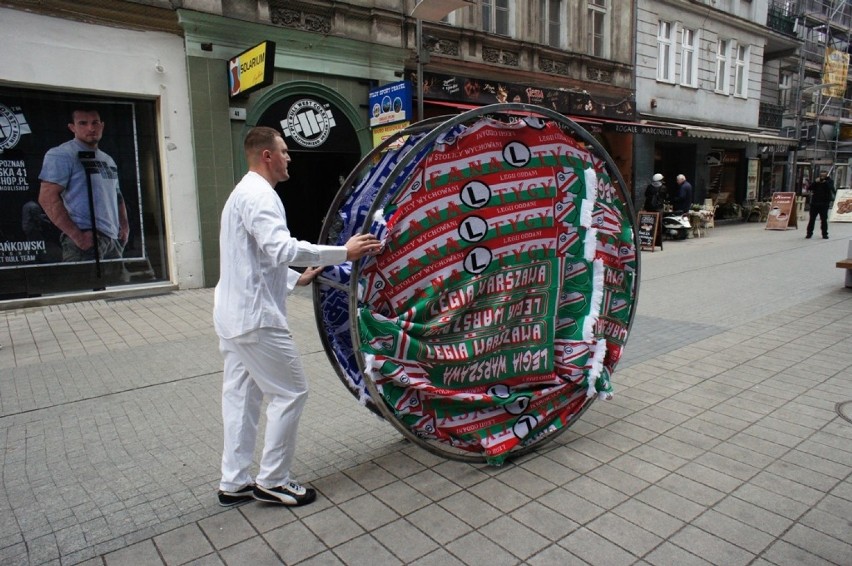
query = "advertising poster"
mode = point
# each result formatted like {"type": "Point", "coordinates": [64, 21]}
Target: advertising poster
{"type": "Point", "coordinates": [390, 104]}
{"type": "Point", "coordinates": [469, 90]}
{"type": "Point", "coordinates": [834, 72]}
{"type": "Point", "coordinates": [782, 212]}
{"type": "Point", "coordinates": [93, 150]}
{"type": "Point", "coordinates": [382, 133]}
{"type": "Point", "coordinates": [841, 211]}
{"type": "Point", "coordinates": [753, 176]}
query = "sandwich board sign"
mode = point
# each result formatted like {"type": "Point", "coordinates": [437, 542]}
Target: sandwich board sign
{"type": "Point", "coordinates": [648, 229]}
{"type": "Point", "coordinates": [782, 212]}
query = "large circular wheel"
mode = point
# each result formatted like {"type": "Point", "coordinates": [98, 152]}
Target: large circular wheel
{"type": "Point", "coordinates": [504, 295]}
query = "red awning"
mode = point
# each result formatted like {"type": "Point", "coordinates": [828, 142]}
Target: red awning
{"type": "Point", "coordinates": [584, 120]}
{"type": "Point", "coordinates": [448, 104]}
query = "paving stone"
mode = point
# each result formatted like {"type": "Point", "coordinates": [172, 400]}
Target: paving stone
{"type": "Point", "coordinates": [475, 548]}
{"type": "Point", "coordinates": [520, 539]}
{"type": "Point", "coordinates": [438, 523]}
{"type": "Point", "coordinates": [183, 545]}
{"type": "Point", "coordinates": [405, 540]}
{"type": "Point", "coordinates": [711, 547]}
{"type": "Point", "coordinates": [252, 551]}
{"type": "Point", "coordinates": [332, 526]}
{"type": "Point", "coordinates": [365, 549]}
{"type": "Point", "coordinates": [625, 534]}
{"type": "Point", "coordinates": [658, 522]}
{"type": "Point", "coordinates": [294, 542]}
{"type": "Point", "coordinates": [227, 529]}
{"type": "Point", "coordinates": [595, 549]}
{"type": "Point", "coordinates": [140, 554]}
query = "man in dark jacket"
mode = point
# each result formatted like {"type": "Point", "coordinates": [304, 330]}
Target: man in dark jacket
{"type": "Point", "coordinates": [822, 193]}
{"type": "Point", "coordinates": [683, 201]}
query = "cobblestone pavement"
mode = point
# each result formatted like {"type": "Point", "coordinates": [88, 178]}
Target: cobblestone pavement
{"type": "Point", "coordinates": [725, 443]}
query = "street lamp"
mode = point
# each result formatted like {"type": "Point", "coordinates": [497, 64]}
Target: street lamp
{"type": "Point", "coordinates": [431, 10]}
{"type": "Point", "coordinates": [794, 155]}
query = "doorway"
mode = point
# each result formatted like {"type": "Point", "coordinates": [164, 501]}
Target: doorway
{"type": "Point", "coordinates": [315, 178]}
{"type": "Point", "coordinates": [324, 148]}
{"type": "Point", "coordinates": [673, 159]}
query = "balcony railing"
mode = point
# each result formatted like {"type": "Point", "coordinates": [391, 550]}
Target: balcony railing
{"type": "Point", "coordinates": [770, 116]}
{"type": "Point", "coordinates": [781, 19]}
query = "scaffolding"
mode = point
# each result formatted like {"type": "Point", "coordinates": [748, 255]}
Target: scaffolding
{"type": "Point", "coordinates": [822, 107]}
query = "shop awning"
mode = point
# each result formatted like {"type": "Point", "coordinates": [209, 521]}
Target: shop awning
{"type": "Point", "coordinates": [769, 139]}
{"type": "Point", "coordinates": [716, 133]}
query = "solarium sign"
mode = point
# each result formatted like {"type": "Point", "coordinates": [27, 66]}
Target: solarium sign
{"type": "Point", "coordinates": [252, 69]}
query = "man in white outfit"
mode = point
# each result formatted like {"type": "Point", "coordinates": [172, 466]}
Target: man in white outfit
{"type": "Point", "coordinates": [250, 316]}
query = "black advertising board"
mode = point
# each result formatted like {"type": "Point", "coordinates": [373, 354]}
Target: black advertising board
{"type": "Point", "coordinates": [648, 226]}
{"type": "Point", "coordinates": [468, 90]}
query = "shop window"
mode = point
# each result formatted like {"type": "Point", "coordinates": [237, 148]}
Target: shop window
{"type": "Point", "coordinates": [665, 52]}
{"type": "Point", "coordinates": [120, 181]}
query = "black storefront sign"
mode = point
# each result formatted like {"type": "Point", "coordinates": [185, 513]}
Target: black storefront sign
{"type": "Point", "coordinates": [643, 129]}
{"type": "Point", "coordinates": [466, 90]}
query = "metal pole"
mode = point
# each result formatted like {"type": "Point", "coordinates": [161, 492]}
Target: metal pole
{"type": "Point", "coordinates": [794, 155]}
{"type": "Point", "coordinates": [419, 41]}
{"type": "Point", "coordinates": [87, 159]}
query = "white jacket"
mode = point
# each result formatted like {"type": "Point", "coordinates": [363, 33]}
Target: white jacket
{"type": "Point", "coordinates": [256, 250]}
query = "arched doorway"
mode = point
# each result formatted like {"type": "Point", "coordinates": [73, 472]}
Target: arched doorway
{"type": "Point", "coordinates": [319, 127]}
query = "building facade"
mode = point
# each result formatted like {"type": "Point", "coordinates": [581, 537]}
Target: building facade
{"type": "Point", "coordinates": [701, 67]}
{"type": "Point", "coordinates": [328, 56]}
{"type": "Point", "coordinates": [715, 90]}
{"type": "Point", "coordinates": [126, 61]}
{"type": "Point", "coordinates": [814, 92]}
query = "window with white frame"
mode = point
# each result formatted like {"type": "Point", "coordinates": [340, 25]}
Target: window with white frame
{"type": "Point", "coordinates": [785, 86]}
{"type": "Point", "coordinates": [598, 28]}
{"type": "Point", "coordinates": [665, 52]}
{"type": "Point", "coordinates": [553, 20]}
{"type": "Point", "coordinates": [689, 58]}
{"type": "Point", "coordinates": [723, 66]}
{"type": "Point", "coordinates": [741, 72]}
{"type": "Point", "coordinates": [496, 16]}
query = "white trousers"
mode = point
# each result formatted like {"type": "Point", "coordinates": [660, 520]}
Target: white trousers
{"type": "Point", "coordinates": [258, 363]}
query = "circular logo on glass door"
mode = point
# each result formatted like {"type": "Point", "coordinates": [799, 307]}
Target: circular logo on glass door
{"type": "Point", "coordinates": [10, 129]}
{"type": "Point", "coordinates": [308, 123]}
